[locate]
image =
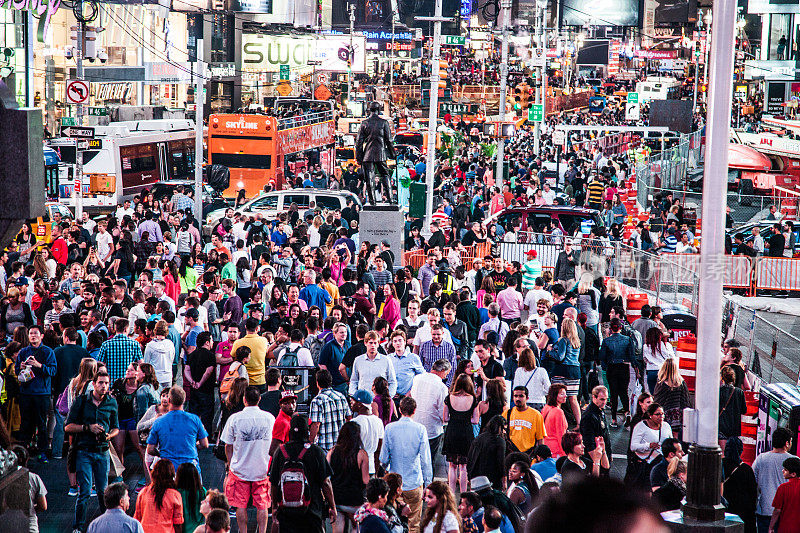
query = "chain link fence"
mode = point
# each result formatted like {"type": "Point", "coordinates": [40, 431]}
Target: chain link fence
{"type": "Point", "coordinates": [769, 350]}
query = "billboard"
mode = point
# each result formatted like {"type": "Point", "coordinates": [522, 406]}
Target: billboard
{"type": "Point", "coordinates": [593, 52]}
{"type": "Point", "coordinates": [600, 12]}
{"type": "Point", "coordinates": [266, 53]}
{"type": "Point", "coordinates": [675, 11]}
{"type": "Point", "coordinates": [674, 114]}
{"type": "Point", "coordinates": [299, 13]}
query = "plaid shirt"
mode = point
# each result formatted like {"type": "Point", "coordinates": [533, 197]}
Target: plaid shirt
{"type": "Point", "coordinates": [331, 409]}
{"type": "Point", "coordinates": [430, 353]}
{"type": "Point", "coordinates": [117, 353]}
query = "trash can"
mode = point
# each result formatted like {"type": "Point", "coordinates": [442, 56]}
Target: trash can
{"type": "Point", "coordinates": [416, 200]}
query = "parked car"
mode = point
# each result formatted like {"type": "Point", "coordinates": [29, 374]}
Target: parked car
{"type": "Point", "coordinates": [271, 203]}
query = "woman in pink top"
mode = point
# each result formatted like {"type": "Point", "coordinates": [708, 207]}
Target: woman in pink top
{"type": "Point", "coordinates": [390, 308]}
{"type": "Point", "coordinates": [555, 423]}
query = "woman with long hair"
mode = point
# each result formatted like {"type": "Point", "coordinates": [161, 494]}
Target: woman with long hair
{"type": "Point", "coordinates": [93, 264]}
{"type": "Point", "coordinates": [460, 413]}
{"type": "Point", "coordinates": [11, 413]}
{"type": "Point", "coordinates": [567, 370]}
{"type": "Point", "coordinates": [243, 279]}
{"type": "Point", "coordinates": [655, 351]}
{"type": "Point", "coordinates": [297, 318]}
{"type": "Point", "coordinates": [276, 297]}
{"type": "Point", "coordinates": [670, 494]}
{"type": "Point", "coordinates": [122, 263]}
{"type": "Point", "coordinates": [611, 298]}
{"type": "Point", "coordinates": [234, 402]}
{"type": "Point", "coordinates": [396, 509]}
{"type": "Point", "coordinates": [15, 312]}
{"type": "Point", "coordinates": [350, 465]}
{"type": "Point", "coordinates": [672, 393]}
{"type": "Point", "coordinates": [522, 486]}
{"type": "Point", "coordinates": [487, 453]}
{"type": "Point", "coordinates": [187, 481]}
{"type": "Point", "coordinates": [487, 287]}
{"type": "Point", "coordinates": [390, 307]}
{"type": "Point", "coordinates": [495, 400]}
{"type": "Point", "coordinates": [532, 377]}
{"type": "Point", "coordinates": [124, 390]}
{"type": "Point", "coordinates": [739, 486]}
{"type": "Point", "coordinates": [26, 240]}
{"type": "Point", "coordinates": [145, 424]}
{"type": "Point", "coordinates": [441, 513]}
{"type": "Point", "coordinates": [511, 352]}
{"type": "Point", "coordinates": [382, 403]}
{"type": "Point", "coordinates": [589, 302]}
{"type": "Point", "coordinates": [147, 391]}
{"type": "Point", "coordinates": [187, 275]}
{"type": "Point", "coordinates": [159, 505]}
{"type": "Point", "coordinates": [44, 264]}
{"type": "Point", "coordinates": [555, 421]}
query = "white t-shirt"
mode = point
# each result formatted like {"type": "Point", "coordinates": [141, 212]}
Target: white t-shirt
{"type": "Point", "coordinates": [424, 335]}
{"type": "Point", "coordinates": [371, 434]}
{"type": "Point", "coordinates": [104, 243]}
{"type": "Point", "coordinates": [250, 433]}
{"type": "Point", "coordinates": [533, 296]}
{"type": "Point", "coordinates": [450, 523]}
{"type": "Point", "coordinates": [536, 381]}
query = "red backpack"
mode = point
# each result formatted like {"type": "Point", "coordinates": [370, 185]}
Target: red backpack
{"type": "Point", "coordinates": [293, 486]}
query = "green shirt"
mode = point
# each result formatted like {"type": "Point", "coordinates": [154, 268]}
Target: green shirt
{"type": "Point", "coordinates": [85, 413]}
{"type": "Point", "coordinates": [229, 271]}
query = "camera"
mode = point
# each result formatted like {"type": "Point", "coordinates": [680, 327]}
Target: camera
{"type": "Point", "coordinates": [101, 437]}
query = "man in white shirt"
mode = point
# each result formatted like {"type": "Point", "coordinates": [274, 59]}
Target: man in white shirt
{"type": "Point", "coordinates": [371, 365]}
{"type": "Point", "coordinates": [371, 426]}
{"type": "Point", "coordinates": [124, 209]}
{"type": "Point", "coordinates": [548, 194]}
{"type": "Point", "coordinates": [295, 348]}
{"type": "Point", "coordinates": [247, 437]}
{"type": "Point", "coordinates": [159, 288]}
{"type": "Point", "coordinates": [429, 391]}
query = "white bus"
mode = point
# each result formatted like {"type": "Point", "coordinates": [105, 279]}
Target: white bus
{"type": "Point", "coordinates": [658, 88]}
{"type": "Point", "coordinates": [124, 159]}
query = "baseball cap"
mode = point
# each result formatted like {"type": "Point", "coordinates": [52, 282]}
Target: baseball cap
{"type": "Point", "coordinates": [22, 280]}
{"type": "Point", "coordinates": [363, 396]}
{"type": "Point", "coordinates": [57, 296]}
{"type": "Point", "coordinates": [349, 300]}
{"type": "Point", "coordinates": [287, 395]}
{"type": "Point", "coordinates": [192, 313]}
{"type": "Point", "coordinates": [531, 253]}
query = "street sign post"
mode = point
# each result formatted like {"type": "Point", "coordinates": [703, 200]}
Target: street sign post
{"type": "Point", "coordinates": [457, 109]}
{"type": "Point", "coordinates": [69, 121]}
{"type": "Point", "coordinates": [284, 72]}
{"type": "Point", "coordinates": [631, 111]}
{"type": "Point", "coordinates": [536, 113]}
{"type": "Point", "coordinates": [77, 92]}
{"type": "Point", "coordinates": [78, 132]}
{"type": "Point", "coordinates": [633, 98]}
{"type": "Point", "coordinates": [97, 111]}
{"type": "Point", "coordinates": [284, 88]}
{"type": "Point", "coordinates": [559, 137]}
{"type": "Point", "coordinates": [455, 40]}
{"type": "Point", "coordinates": [539, 58]}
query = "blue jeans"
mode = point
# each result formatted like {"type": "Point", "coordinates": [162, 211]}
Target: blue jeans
{"type": "Point", "coordinates": [762, 522]}
{"type": "Point", "coordinates": [652, 380]}
{"type": "Point", "coordinates": [88, 464]}
{"type": "Point", "coordinates": [58, 434]}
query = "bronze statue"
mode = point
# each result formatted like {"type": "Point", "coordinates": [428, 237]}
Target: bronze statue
{"type": "Point", "coordinates": [373, 148]}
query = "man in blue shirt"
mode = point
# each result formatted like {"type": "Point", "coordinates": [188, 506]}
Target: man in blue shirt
{"type": "Point", "coordinates": [406, 364]}
{"type": "Point", "coordinates": [331, 355]}
{"type": "Point", "coordinates": [543, 463]}
{"type": "Point", "coordinates": [177, 434]}
{"type": "Point", "coordinates": [115, 518]}
{"type": "Point", "coordinates": [313, 294]}
{"type": "Point", "coordinates": [405, 451]}
{"type": "Point", "coordinates": [34, 397]}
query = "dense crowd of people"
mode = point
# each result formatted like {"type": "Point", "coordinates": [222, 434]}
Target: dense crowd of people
{"type": "Point", "coordinates": [330, 381]}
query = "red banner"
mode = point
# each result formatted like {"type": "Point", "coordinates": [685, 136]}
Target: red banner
{"type": "Point", "coordinates": [305, 137]}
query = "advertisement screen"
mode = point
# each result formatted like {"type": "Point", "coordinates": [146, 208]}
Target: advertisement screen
{"type": "Point", "coordinates": [600, 12]}
{"type": "Point", "coordinates": [674, 11]}
{"type": "Point", "coordinates": [674, 114]}
{"type": "Point", "coordinates": [266, 53]}
{"type": "Point", "coordinates": [593, 52]}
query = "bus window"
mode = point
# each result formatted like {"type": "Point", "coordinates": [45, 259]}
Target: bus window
{"type": "Point", "coordinates": [139, 165]}
{"type": "Point", "coordinates": [414, 139]}
{"type": "Point", "coordinates": [254, 161]}
{"type": "Point", "coordinates": [267, 203]}
{"type": "Point", "coordinates": [300, 199]}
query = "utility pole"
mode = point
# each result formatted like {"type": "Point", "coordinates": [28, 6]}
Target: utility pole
{"type": "Point", "coordinates": [696, 53]}
{"type": "Point", "coordinates": [391, 54]}
{"type": "Point", "coordinates": [505, 15]}
{"type": "Point", "coordinates": [704, 472]}
{"type": "Point", "coordinates": [537, 128]}
{"type": "Point", "coordinates": [80, 33]}
{"type": "Point", "coordinates": [433, 113]}
{"type": "Point", "coordinates": [352, 8]}
{"type": "Point", "coordinates": [199, 100]}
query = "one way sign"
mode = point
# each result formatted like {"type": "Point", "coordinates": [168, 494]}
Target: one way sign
{"type": "Point", "coordinates": [78, 132]}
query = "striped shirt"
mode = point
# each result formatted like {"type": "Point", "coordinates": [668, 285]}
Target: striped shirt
{"type": "Point", "coordinates": [330, 409]}
{"type": "Point", "coordinates": [530, 271]}
{"type": "Point", "coordinates": [595, 192]}
{"type": "Point", "coordinates": [429, 353]}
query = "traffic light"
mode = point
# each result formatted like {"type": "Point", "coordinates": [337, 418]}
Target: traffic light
{"type": "Point", "coordinates": [444, 77]}
{"type": "Point", "coordinates": [522, 94]}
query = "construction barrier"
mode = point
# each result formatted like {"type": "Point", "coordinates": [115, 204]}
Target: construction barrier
{"type": "Point", "coordinates": [750, 427]}
{"type": "Point", "coordinates": [777, 273]}
{"type": "Point", "coordinates": [687, 359]}
{"type": "Point", "coordinates": [416, 258]}
{"type": "Point", "coordinates": [634, 304]}
{"type": "Point", "coordinates": [736, 271]}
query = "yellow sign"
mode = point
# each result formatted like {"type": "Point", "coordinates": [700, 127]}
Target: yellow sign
{"type": "Point", "coordinates": [284, 89]}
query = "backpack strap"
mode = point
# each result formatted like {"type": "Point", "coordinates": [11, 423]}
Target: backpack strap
{"type": "Point", "coordinates": [303, 452]}
{"type": "Point", "coordinates": [282, 449]}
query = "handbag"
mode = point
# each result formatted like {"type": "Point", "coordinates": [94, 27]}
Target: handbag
{"type": "Point", "coordinates": [637, 474]}
{"type": "Point", "coordinates": [592, 378]}
{"type": "Point", "coordinates": [61, 403]}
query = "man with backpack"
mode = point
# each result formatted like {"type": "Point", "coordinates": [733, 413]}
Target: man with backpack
{"type": "Point", "coordinates": [295, 354]}
{"type": "Point", "coordinates": [300, 479]}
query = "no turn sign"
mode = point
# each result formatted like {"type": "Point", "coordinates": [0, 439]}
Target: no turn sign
{"type": "Point", "coordinates": [77, 92]}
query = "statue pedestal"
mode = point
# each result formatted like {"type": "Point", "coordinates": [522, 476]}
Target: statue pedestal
{"type": "Point", "coordinates": [379, 222]}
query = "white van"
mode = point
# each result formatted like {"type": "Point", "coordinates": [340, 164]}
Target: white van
{"type": "Point", "coordinates": [658, 88]}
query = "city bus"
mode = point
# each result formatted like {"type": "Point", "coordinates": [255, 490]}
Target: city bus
{"type": "Point", "coordinates": [123, 159]}
{"type": "Point", "coordinates": [258, 148]}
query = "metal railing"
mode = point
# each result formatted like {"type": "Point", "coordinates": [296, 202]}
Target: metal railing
{"type": "Point", "coordinates": [304, 120]}
{"type": "Point", "coordinates": [667, 170]}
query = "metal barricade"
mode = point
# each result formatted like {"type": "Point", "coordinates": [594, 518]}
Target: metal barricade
{"type": "Point", "coordinates": [777, 273]}
{"type": "Point", "coordinates": [298, 379]}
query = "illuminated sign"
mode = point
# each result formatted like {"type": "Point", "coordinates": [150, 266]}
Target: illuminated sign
{"type": "Point", "coordinates": [305, 137]}
{"type": "Point", "coordinates": [268, 52]}
{"type": "Point", "coordinates": [44, 10]}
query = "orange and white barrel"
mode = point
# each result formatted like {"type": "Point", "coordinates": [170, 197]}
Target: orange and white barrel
{"type": "Point", "coordinates": [634, 303]}
{"type": "Point", "coordinates": [687, 359]}
{"type": "Point", "coordinates": [750, 427]}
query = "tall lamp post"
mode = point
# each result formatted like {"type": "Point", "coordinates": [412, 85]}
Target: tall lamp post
{"type": "Point", "coordinates": [703, 509]}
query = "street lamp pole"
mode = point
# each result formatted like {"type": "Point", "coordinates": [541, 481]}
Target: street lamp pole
{"type": "Point", "coordinates": [705, 458]}
{"type": "Point", "coordinates": [505, 15]}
